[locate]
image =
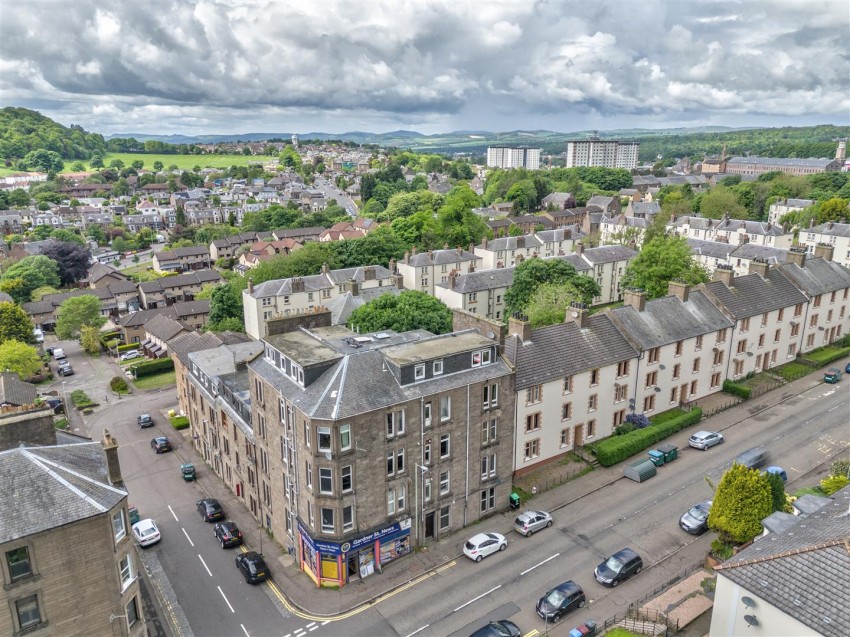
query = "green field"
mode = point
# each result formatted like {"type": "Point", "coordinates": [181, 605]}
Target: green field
{"type": "Point", "coordinates": [183, 162]}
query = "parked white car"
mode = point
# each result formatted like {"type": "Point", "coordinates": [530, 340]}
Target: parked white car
{"type": "Point", "coordinates": [480, 546]}
{"type": "Point", "coordinates": [128, 356]}
{"type": "Point", "coordinates": [39, 335]}
{"type": "Point", "coordinates": [146, 532]}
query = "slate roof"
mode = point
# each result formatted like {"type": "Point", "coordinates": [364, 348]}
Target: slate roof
{"type": "Point", "coordinates": [600, 201]}
{"type": "Point", "coordinates": [752, 295]}
{"type": "Point", "coordinates": [831, 229]}
{"type": "Point", "coordinates": [780, 161]}
{"type": "Point", "coordinates": [564, 349]}
{"type": "Point", "coordinates": [48, 487]}
{"type": "Point", "coordinates": [164, 328]}
{"type": "Point", "coordinates": [198, 277]}
{"type": "Point", "coordinates": [480, 280]}
{"type": "Point", "coordinates": [804, 571]}
{"type": "Point", "coordinates": [440, 257]}
{"type": "Point", "coordinates": [360, 381]}
{"type": "Point", "coordinates": [560, 234]}
{"type": "Point", "coordinates": [185, 344]}
{"type": "Point", "coordinates": [14, 391]}
{"type": "Point", "coordinates": [774, 256]}
{"type": "Point", "coordinates": [344, 304]}
{"type": "Point", "coordinates": [135, 319]}
{"type": "Point", "coordinates": [188, 251]}
{"type": "Point", "coordinates": [795, 203]}
{"type": "Point", "coordinates": [716, 249]}
{"type": "Point", "coordinates": [187, 308]}
{"type": "Point", "coordinates": [608, 254]}
{"type": "Point", "coordinates": [100, 270]}
{"type": "Point", "coordinates": [317, 282]}
{"type": "Point", "coordinates": [529, 241]}
{"type": "Point", "coordinates": [645, 208]}
{"type": "Point", "coordinates": [817, 276]}
{"type": "Point", "coordinates": [669, 320]}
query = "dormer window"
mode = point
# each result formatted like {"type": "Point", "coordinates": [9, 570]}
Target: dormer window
{"type": "Point", "coordinates": [419, 372]}
{"type": "Point", "coordinates": [438, 367]}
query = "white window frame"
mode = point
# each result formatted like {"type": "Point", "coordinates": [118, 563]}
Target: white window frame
{"type": "Point", "coordinates": [120, 533]}
{"type": "Point", "coordinates": [327, 528]}
{"type": "Point", "coordinates": [326, 474]}
{"type": "Point", "coordinates": [126, 572]}
{"type": "Point", "coordinates": [437, 368]}
{"type": "Point", "coordinates": [349, 525]}
{"type": "Point", "coordinates": [445, 408]}
{"type": "Point", "coordinates": [344, 433]}
{"type": "Point", "coordinates": [448, 439]}
{"type": "Point", "coordinates": [350, 474]}
{"type": "Point", "coordinates": [326, 432]}
{"type": "Point", "coordinates": [419, 372]}
{"type": "Point", "coordinates": [445, 481]}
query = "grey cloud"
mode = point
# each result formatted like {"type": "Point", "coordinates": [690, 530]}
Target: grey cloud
{"type": "Point", "coordinates": [249, 65]}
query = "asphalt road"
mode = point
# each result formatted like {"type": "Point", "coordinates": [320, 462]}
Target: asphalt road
{"type": "Point", "coordinates": [801, 434]}
{"type": "Point", "coordinates": [332, 192]}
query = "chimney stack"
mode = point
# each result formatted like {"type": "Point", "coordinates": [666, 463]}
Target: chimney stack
{"type": "Point", "coordinates": [825, 250]}
{"type": "Point", "coordinates": [399, 281]}
{"type": "Point", "coordinates": [250, 285]}
{"type": "Point", "coordinates": [578, 313]}
{"type": "Point", "coordinates": [325, 268]}
{"type": "Point", "coordinates": [579, 247]}
{"type": "Point", "coordinates": [519, 325]}
{"type": "Point", "coordinates": [679, 288]}
{"type": "Point", "coordinates": [354, 287]}
{"type": "Point", "coordinates": [520, 241]}
{"type": "Point", "coordinates": [796, 254]}
{"type": "Point", "coordinates": [113, 467]}
{"type": "Point", "coordinates": [759, 266]}
{"type": "Point", "coordinates": [452, 279]}
{"type": "Point", "coordinates": [635, 297]}
{"type": "Point", "coordinates": [724, 273]}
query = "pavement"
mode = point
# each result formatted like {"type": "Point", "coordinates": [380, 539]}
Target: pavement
{"type": "Point", "coordinates": [297, 592]}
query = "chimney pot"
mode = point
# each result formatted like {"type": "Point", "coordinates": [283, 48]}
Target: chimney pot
{"type": "Point", "coordinates": [520, 326]}
{"type": "Point", "coordinates": [635, 297]}
{"type": "Point", "coordinates": [113, 467]}
{"type": "Point", "coordinates": [679, 289]}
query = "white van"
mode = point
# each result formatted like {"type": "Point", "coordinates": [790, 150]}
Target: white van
{"type": "Point", "coordinates": [39, 335]}
{"type": "Point", "coordinates": [58, 354]}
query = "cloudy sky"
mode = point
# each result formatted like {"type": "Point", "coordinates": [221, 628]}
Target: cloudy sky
{"type": "Point", "coordinates": [210, 66]}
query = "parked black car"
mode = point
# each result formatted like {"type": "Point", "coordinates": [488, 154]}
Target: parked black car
{"type": "Point", "coordinates": [56, 405]}
{"type": "Point", "coordinates": [161, 444]}
{"type": "Point", "coordinates": [619, 567]}
{"type": "Point", "coordinates": [561, 600]}
{"type": "Point", "coordinates": [145, 421]}
{"type": "Point", "coordinates": [252, 567]}
{"type": "Point", "coordinates": [228, 534]}
{"type": "Point", "coordinates": [501, 628]}
{"type": "Point", "coordinates": [210, 509]}
{"type": "Point", "coordinates": [65, 370]}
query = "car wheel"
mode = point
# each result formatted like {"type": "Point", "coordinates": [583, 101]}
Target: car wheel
{"type": "Point", "coordinates": [614, 583]}
{"type": "Point", "coordinates": [548, 524]}
{"type": "Point", "coordinates": [581, 604]}
{"type": "Point", "coordinates": [504, 546]}
{"type": "Point", "coordinates": [479, 558]}
{"type": "Point", "coordinates": [639, 569]}
{"type": "Point", "coordinates": [528, 533]}
{"type": "Point", "coordinates": [222, 544]}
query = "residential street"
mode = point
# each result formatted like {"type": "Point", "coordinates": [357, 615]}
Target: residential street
{"type": "Point", "coordinates": [802, 434]}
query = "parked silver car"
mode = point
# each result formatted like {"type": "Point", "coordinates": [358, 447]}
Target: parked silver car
{"type": "Point", "coordinates": [528, 522]}
{"type": "Point", "coordinates": [705, 439]}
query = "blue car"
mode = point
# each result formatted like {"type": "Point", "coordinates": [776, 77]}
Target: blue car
{"type": "Point", "coordinates": [847, 369]}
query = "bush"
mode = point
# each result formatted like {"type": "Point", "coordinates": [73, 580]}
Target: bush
{"type": "Point", "coordinates": [736, 390]}
{"type": "Point", "coordinates": [81, 399]}
{"type": "Point", "coordinates": [179, 422]}
{"type": "Point", "coordinates": [118, 385]}
{"type": "Point", "coordinates": [640, 421]}
{"type": "Point", "coordinates": [840, 468]}
{"type": "Point", "coordinates": [149, 368]}
{"type": "Point", "coordinates": [828, 353]}
{"type": "Point", "coordinates": [832, 484]}
{"type": "Point", "coordinates": [721, 549]}
{"type": "Point", "coordinates": [624, 429]}
{"type": "Point", "coordinates": [617, 448]}
{"type": "Point", "coordinates": [128, 347]}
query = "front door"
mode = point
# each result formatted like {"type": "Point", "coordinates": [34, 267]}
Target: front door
{"type": "Point", "coordinates": [578, 436]}
{"type": "Point", "coordinates": [429, 526]}
{"type": "Point", "coordinates": [683, 394]}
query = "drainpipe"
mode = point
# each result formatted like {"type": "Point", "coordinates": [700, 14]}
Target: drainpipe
{"type": "Point", "coordinates": [466, 489]}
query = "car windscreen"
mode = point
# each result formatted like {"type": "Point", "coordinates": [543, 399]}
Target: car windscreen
{"type": "Point", "coordinates": [614, 564]}
{"type": "Point", "coordinates": [556, 597]}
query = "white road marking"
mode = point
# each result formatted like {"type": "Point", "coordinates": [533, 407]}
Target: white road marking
{"type": "Point", "coordinates": [205, 564]}
{"type": "Point", "coordinates": [528, 570]}
{"type": "Point", "coordinates": [313, 628]}
{"type": "Point", "coordinates": [225, 599]}
{"type": "Point", "coordinates": [244, 630]}
{"type": "Point", "coordinates": [173, 513]}
{"type": "Point", "coordinates": [300, 632]}
{"type": "Point", "coordinates": [418, 629]}
{"type": "Point", "coordinates": [187, 537]}
{"type": "Point", "coordinates": [477, 598]}
{"type": "Point", "coordinates": [310, 624]}
{"type": "Point", "coordinates": [834, 408]}
{"type": "Point", "coordinates": [327, 621]}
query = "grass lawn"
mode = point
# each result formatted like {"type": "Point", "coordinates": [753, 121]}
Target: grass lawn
{"type": "Point", "coordinates": [140, 272]}
{"type": "Point", "coordinates": [619, 631]}
{"type": "Point", "coordinates": [156, 381]}
{"type": "Point", "coordinates": [793, 371]}
{"type": "Point", "coordinates": [183, 162]}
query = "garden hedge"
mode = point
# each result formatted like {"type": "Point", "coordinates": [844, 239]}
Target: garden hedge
{"type": "Point", "coordinates": [736, 390]}
{"type": "Point", "coordinates": [128, 347]}
{"type": "Point", "coordinates": [617, 448]}
{"type": "Point", "coordinates": [179, 422]}
{"type": "Point", "coordinates": [828, 354]}
{"type": "Point", "coordinates": [149, 368]}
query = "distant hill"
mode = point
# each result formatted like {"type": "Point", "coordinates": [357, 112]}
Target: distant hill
{"type": "Point", "coordinates": [23, 130]}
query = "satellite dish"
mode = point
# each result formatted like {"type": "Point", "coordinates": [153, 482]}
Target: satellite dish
{"type": "Point", "coordinates": [752, 620]}
{"type": "Point", "coordinates": [574, 314]}
{"type": "Point", "coordinates": [748, 602]}
{"type": "Point", "coordinates": [328, 455]}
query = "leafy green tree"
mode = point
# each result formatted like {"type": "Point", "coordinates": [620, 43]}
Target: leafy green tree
{"type": "Point", "coordinates": [206, 291]}
{"type": "Point", "coordinates": [20, 358]}
{"type": "Point", "coordinates": [549, 303]}
{"type": "Point", "coordinates": [15, 324]}
{"type": "Point", "coordinates": [226, 302]}
{"type": "Point", "coordinates": [44, 160]}
{"type": "Point", "coordinates": [742, 500]}
{"type": "Point", "coordinates": [71, 258]}
{"type": "Point", "coordinates": [303, 262]}
{"type": "Point", "coordinates": [231, 324]}
{"type": "Point", "coordinates": [34, 271]}
{"type": "Point", "coordinates": [662, 259]}
{"type": "Point", "coordinates": [376, 248]}
{"type": "Point", "coordinates": [157, 165]}
{"type": "Point", "coordinates": [834, 209]}
{"type": "Point", "coordinates": [779, 501]}
{"type": "Point", "coordinates": [96, 233]}
{"type": "Point", "coordinates": [455, 223]}
{"type": "Point", "coordinates": [719, 201]}
{"type": "Point", "coordinates": [117, 164]}
{"type": "Point", "coordinates": [290, 158]}
{"type": "Point", "coordinates": [76, 312]}
{"type": "Point", "coordinates": [409, 310]}
{"type": "Point", "coordinates": [532, 273]}
{"type": "Point", "coordinates": [524, 195]}
{"type": "Point", "coordinates": [40, 292]}
{"type": "Point", "coordinates": [405, 204]}
{"type": "Point", "coordinates": [90, 339]}
{"type": "Point", "coordinates": [78, 166]}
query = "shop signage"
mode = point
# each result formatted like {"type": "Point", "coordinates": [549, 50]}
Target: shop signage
{"type": "Point", "coordinates": [393, 531]}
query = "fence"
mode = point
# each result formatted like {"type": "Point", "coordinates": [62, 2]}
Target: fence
{"type": "Point", "coordinates": [687, 572]}
{"type": "Point", "coordinates": [645, 622]}
{"type": "Point", "coordinates": [535, 485]}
